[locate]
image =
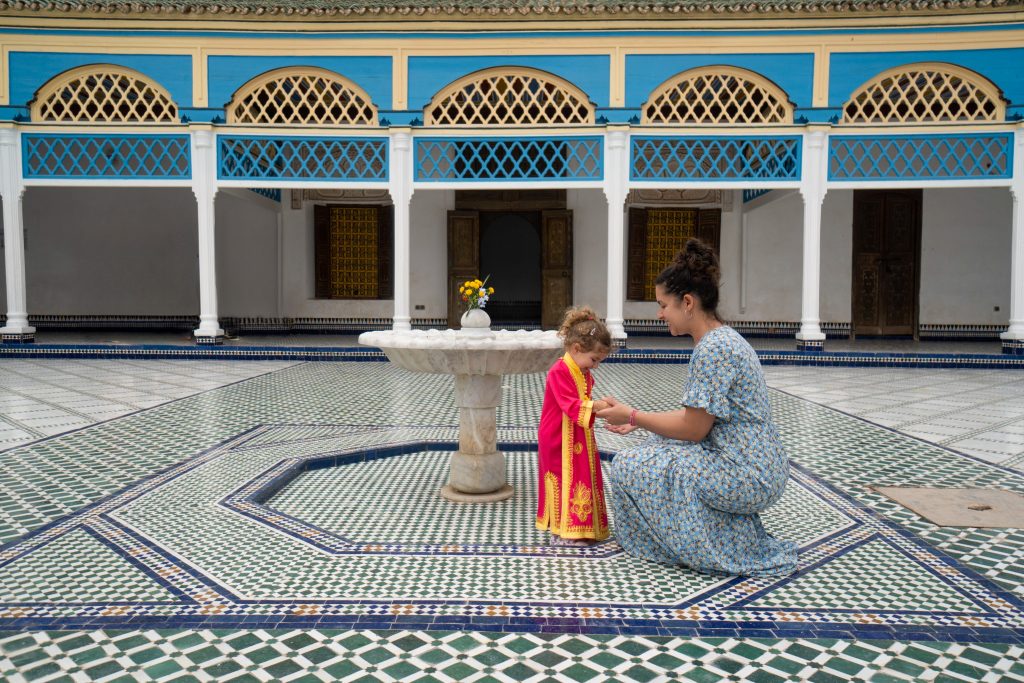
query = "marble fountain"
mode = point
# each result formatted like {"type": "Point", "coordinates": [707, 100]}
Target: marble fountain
{"type": "Point", "coordinates": [478, 357]}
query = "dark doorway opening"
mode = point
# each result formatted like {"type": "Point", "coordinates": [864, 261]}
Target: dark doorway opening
{"type": "Point", "coordinates": [510, 252]}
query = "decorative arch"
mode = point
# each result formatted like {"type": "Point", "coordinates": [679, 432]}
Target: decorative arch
{"type": "Point", "coordinates": [509, 96]}
{"type": "Point", "coordinates": [924, 93]}
{"type": "Point", "coordinates": [103, 93]}
{"type": "Point", "coordinates": [717, 95]}
{"type": "Point", "coordinates": [302, 95]}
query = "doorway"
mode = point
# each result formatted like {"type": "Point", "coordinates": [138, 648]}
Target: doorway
{"type": "Point", "coordinates": [510, 254]}
{"type": "Point", "coordinates": [886, 262]}
{"type": "Point", "coordinates": [525, 246]}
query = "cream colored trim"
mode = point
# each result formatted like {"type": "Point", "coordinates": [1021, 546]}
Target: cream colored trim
{"type": "Point", "coordinates": [566, 44]}
{"type": "Point", "coordinates": [948, 93]}
{"type": "Point", "coordinates": [691, 97]}
{"type": "Point", "coordinates": [543, 22]}
{"type": "Point", "coordinates": [399, 80]}
{"type": "Point", "coordinates": [819, 92]}
{"type": "Point", "coordinates": [5, 90]}
{"type": "Point", "coordinates": [494, 97]}
{"type": "Point", "coordinates": [200, 78]}
{"type": "Point", "coordinates": [325, 98]}
{"type": "Point", "coordinates": [617, 77]}
{"type": "Point", "coordinates": [93, 104]}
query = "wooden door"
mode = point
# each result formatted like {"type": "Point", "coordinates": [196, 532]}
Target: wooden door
{"type": "Point", "coordinates": [463, 258]}
{"type": "Point", "coordinates": [886, 261]}
{"type": "Point", "coordinates": [555, 267]}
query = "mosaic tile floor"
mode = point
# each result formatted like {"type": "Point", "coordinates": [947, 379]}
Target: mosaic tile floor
{"type": "Point", "coordinates": [286, 527]}
{"type": "Point", "coordinates": [41, 398]}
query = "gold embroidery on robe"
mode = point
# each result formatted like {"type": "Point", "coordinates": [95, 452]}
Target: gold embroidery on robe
{"type": "Point", "coordinates": [581, 504]}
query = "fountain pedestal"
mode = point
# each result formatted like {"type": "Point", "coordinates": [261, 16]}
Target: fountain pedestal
{"type": "Point", "coordinates": [477, 468]}
{"type": "Point", "coordinates": [477, 359]}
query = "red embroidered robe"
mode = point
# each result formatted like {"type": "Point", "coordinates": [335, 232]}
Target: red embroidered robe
{"type": "Point", "coordinates": [570, 490]}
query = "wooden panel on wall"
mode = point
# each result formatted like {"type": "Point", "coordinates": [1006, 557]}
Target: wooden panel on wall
{"type": "Point", "coordinates": [556, 266]}
{"type": "Point", "coordinates": [463, 258]}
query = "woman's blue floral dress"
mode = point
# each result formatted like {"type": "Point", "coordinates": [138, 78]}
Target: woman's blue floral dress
{"type": "Point", "coordinates": [696, 504]}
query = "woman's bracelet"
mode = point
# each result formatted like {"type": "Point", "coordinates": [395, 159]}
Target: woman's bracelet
{"type": "Point", "coordinates": [632, 418]}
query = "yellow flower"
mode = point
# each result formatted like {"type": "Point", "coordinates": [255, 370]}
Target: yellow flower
{"type": "Point", "coordinates": [466, 283]}
{"type": "Point", "coordinates": [490, 290]}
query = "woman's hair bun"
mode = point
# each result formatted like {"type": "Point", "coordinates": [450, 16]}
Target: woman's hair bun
{"type": "Point", "coordinates": [699, 259]}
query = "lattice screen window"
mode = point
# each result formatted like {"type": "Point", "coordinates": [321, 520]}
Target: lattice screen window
{"type": "Point", "coordinates": [655, 237]}
{"type": "Point", "coordinates": [922, 93]}
{"type": "Point", "coordinates": [103, 93]}
{"type": "Point", "coordinates": [353, 252]}
{"type": "Point", "coordinates": [717, 95]}
{"type": "Point", "coordinates": [307, 95]}
{"type": "Point", "coordinates": [509, 97]}
{"type": "Point", "coordinates": [667, 232]}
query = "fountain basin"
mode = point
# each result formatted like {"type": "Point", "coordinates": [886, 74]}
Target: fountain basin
{"type": "Point", "coordinates": [478, 360]}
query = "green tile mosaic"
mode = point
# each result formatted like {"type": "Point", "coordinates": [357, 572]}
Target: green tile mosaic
{"type": "Point", "coordinates": [179, 526]}
{"type": "Point", "coordinates": [873, 577]}
{"type": "Point", "coordinates": [536, 657]}
{"type": "Point", "coordinates": [76, 567]}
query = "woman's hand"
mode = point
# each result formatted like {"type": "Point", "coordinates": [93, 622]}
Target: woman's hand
{"type": "Point", "coordinates": [621, 429]}
{"type": "Point", "coordinates": [599, 404]}
{"type": "Point", "coordinates": [616, 413]}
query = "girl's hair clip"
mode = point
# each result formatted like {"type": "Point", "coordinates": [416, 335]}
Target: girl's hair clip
{"type": "Point", "coordinates": [593, 330]}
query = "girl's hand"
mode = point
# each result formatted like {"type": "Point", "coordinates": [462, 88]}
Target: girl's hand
{"type": "Point", "coordinates": [599, 404]}
{"type": "Point", "coordinates": [621, 429]}
{"type": "Point", "coordinates": [616, 413]}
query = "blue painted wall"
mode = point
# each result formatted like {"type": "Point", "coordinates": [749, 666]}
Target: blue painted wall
{"type": "Point", "coordinates": [428, 75]}
{"type": "Point", "coordinates": [848, 71]}
{"type": "Point", "coordinates": [226, 74]}
{"type": "Point", "coordinates": [793, 72]}
{"type": "Point", "coordinates": [30, 70]}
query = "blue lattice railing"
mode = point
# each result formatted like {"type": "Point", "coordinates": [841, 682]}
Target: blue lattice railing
{"type": "Point", "coordinates": [919, 157]}
{"type": "Point", "coordinates": [106, 155]}
{"type": "Point", "coordinates": [533, 158]}
{"type": "Point", "coordinates": [715, 158]}
{"type": "Point", "coordinates": [751, 195]}
{"type": "Point", "coordinates": [271, 193]}
{"type": "Point", "coordinates": [253, 157]}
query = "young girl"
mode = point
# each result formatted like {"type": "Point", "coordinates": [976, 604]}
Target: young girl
{"type": "Point", "coordinates": [571, 491]}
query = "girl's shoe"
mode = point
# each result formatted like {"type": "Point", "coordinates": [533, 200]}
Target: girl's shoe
{"type": "Point", "coordinates": [575, 543]}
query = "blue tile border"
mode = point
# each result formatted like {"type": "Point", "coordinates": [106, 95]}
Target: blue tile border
{"type": "Point", "coordinates": [625, 355]}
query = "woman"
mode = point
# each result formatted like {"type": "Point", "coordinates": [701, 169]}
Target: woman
{"type": "Point", "coordinates": [690, 495]}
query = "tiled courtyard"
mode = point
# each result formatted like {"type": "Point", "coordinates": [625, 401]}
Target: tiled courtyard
{"type": "Point", "coordinates": [269, 520]}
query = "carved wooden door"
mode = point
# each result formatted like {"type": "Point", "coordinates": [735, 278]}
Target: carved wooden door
{"type": "Point", "coordinates": [555, 267]}
{"type": "Point", "coordinates": [463, 258]}
{"type": "Point", "coordinates": [886, 261]}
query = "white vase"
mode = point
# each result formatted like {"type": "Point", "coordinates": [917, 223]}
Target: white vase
{"type": "Point", "coordinates": [476, 322]}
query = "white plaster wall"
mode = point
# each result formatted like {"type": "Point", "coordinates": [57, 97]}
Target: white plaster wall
{"type": "Point", "coordinates": [111, 251]}
{"type": "Point", "coordinates": [965, 256]}
{"type": "Point", "coordinates": [247, 255]}
{"type": "Point", "coordinates": [774, 266]}
{"type": "Point", "coordinates": [590, 248]}
{"type": "Point", "coordinates": [428, 264]}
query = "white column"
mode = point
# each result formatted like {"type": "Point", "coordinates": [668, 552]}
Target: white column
{"type": "Point", "coordinates": [400, 187]}
{"type": "Point", "coordinates": [12, 190]}
{"type": "Point", "coordinates": [812, 189]}
{"type": "Point", "coordinates": [616, 174]}
{"type": "Point", "coordinates": [1013, 337]}
{"type": "Point", "coordinates": [204, 187]}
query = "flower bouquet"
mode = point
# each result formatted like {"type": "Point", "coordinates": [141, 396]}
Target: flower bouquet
{"type": "Point", "coordinates": [475, 293]}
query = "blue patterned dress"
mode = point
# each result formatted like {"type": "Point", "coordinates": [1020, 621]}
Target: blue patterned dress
{"type": "Point", "coordinates": [696, 504]}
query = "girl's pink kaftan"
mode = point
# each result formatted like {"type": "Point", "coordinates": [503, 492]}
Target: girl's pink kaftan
{"type": "Point", "coordinates": [570, 490]}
